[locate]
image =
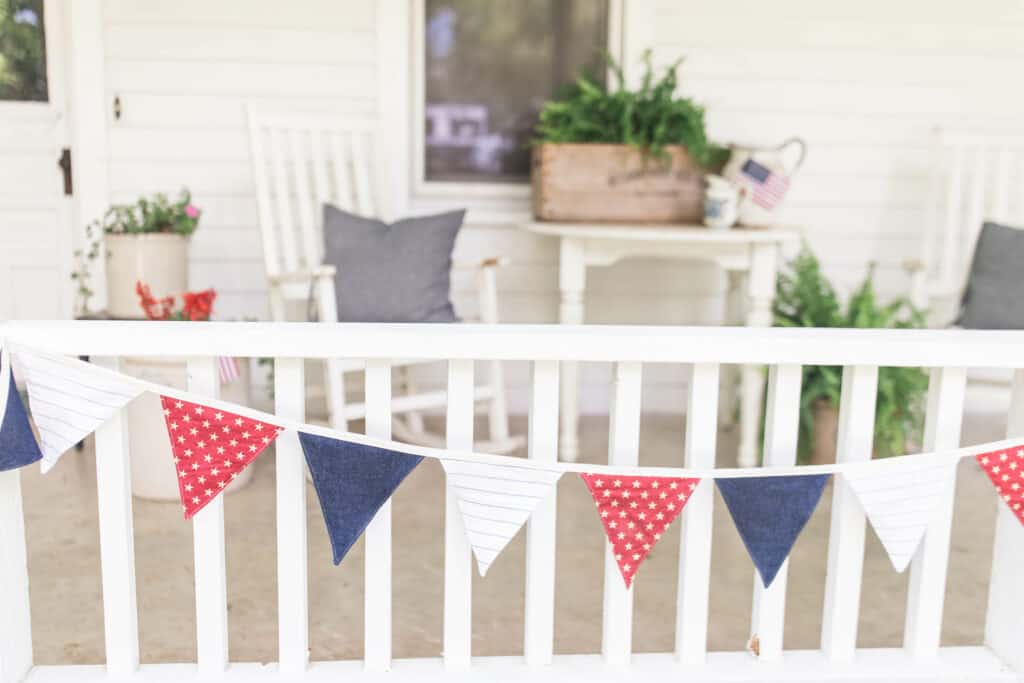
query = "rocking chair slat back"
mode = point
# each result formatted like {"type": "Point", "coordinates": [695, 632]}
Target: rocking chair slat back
{"type": "Point", "coordinates": [974, 178]}
{"type": "Point", "coordinates": [302, 163]}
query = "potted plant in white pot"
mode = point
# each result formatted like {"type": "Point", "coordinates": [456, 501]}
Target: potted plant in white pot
{"type": "Point", "coordinates": [146, 241]}
{"type": "Point", "coordinates": [153, 472]}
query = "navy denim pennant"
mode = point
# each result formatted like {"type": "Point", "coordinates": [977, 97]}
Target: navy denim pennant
{"type": "Point", "coordinates": [18, 446]}
{"type": "Point", "coordinates": [352, 481]}
{"type": "Point", "coordinates": [769, 513]}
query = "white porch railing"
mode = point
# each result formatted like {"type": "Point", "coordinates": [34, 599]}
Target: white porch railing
{"type": "Point", "coordinates": [861, 352]}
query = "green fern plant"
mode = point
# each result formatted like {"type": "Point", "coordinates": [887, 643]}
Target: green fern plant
{"type": "Point", "coordinates": [804, 297]}
{"type": "Point", "coordinates": [648, 118]}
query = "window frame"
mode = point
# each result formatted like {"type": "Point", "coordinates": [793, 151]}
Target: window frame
{"type": "Point", "coordinates": [515, 193]}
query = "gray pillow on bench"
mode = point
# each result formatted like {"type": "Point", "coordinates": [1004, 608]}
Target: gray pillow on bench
{"type": "Point", "coordinates": [392, 273]}
{"type": "Point", "coordinates": [994, 297]}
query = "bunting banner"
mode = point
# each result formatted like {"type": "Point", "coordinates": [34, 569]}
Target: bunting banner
{"type": "Point", "coordinates": [354, 475]}
{"type": "Point", "coordinates": [769, 513]}
{"type": "Point", "coordinates": [900, 497]}
{"type": "Point", "coordinates": [18, 446]}
{"type": "Point", "coordinates": [69, 399]}
{"type": "Point", "coordinates": [495, 502]}
{"type": "Point", "coordinates": [210, 448]}
{"type": "Point", "coordinates": [635, 511]}
{"type": "Point", "coordinates": [1005, 469]}
{"type": "Point", "coordinates": [352, 481]}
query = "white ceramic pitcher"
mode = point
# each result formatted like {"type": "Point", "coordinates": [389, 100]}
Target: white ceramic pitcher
{"type": "Point", "coordinates": [763, 176]}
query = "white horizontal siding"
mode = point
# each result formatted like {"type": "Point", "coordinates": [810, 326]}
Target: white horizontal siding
{"type": "Point", "coordinates": [863, 83]}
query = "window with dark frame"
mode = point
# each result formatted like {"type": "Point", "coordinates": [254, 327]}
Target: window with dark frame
{"type": "Point", "coordinates": [22, 51]}
{"type": "Point", "coordinates": [489, 67]}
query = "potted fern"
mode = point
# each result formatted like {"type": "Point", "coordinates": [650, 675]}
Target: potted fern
{"type": "Point", "coordinates": [805, 298]}
{"type": "Point", "coordinates": [622, 155]}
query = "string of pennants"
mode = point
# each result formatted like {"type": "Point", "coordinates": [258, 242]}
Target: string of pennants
{"type": "Point", "coordinates": [212, 441]}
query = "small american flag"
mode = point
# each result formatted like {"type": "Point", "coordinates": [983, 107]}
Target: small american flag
{"type": "Point", "coordinates": [228, 368]}
{"type": "Point", "coordinates": [769, 187]}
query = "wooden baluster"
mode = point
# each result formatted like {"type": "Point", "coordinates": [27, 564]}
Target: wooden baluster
{"type": "Point", "coordinates": [782, 423]}
{"type": "Point", "coordinates": [117, 543]}
{"type": "Point", "coordinates": [458, 558]}
{"type": "Point", "coordinates": [846, 535]}
{"type": "Point", "coordinates": [927, 591]}
{"type": "Point", "coordinates": [1004, 620]}
{"type": "Point", "coordinates": [624, 451]}
{"type": "Point", "coordinates": [378, 532]}
{"type": "Point", "coordinates": [292, 574]}
{"type": "Point", "coordinates": [16, 621]}
{"type": "Point", "coordinates": [208, 544]}
{"type": "Point", "coordinates": [695, 543]}
{"type": "Point", "coordinates": [538, 637]}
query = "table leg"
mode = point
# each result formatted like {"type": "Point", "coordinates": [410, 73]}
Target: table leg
{"type": "Point", "coordinates": [760, 294]}
{"type": "Point", "coordinates": [572, 277]}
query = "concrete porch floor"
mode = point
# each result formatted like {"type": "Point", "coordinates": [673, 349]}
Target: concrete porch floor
{"type": "Point", "coordinates": [63, 544]}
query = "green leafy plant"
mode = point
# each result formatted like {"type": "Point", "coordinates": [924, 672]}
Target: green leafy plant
{"type": "Point", "coordinates": [804, 297]}
{"type": "Point", "coordinates": [647, 118]}
{"type": "Point", "coordinates": [153, 214]}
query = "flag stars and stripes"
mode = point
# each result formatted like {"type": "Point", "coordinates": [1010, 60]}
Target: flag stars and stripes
{"type": "Point", "coordinates": [206, 460]}
{"type": "Point", "coordinates": [633, 512]}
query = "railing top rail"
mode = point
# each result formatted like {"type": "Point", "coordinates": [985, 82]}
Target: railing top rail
{"type": "Point", "coordinates": [596, 343]}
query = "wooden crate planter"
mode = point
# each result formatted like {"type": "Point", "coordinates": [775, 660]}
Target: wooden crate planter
{"type": "Point", "coordinates": [615, 183]}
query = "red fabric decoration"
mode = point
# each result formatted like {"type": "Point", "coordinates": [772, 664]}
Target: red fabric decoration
{"type": "Point", "coordinates": [635, 512]}
{"type": "Point", "coordinates": [1006, 470]}
{"type": "Point", "coordinates": [210, 448]}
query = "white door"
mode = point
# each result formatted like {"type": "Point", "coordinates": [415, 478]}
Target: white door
{"type": "Point", "coordinates": [35, 233]}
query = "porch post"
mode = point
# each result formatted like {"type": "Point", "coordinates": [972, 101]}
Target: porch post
{"type": "Point", "coordinates": [87, 123]}
{"type": "Point", "coordinates": [1004, 620]}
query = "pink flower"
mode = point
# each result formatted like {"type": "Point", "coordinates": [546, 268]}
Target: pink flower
{"type": "Point", "coordinates": [191, 211]}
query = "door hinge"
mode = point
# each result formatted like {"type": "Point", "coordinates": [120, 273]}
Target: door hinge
{"type": "Point", "coordinates": [65, 166]}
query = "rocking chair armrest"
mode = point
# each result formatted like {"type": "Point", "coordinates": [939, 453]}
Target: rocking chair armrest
{"type": "Point", "coordinates": [324, 271]}
{"type": "Point", "coordinates": [483, 264]}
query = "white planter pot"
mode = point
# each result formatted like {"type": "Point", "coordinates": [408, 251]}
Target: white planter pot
{"type": "Point", "coordinates": [158, 259]}
{"type": "Point", "coordinates": [152, 465]}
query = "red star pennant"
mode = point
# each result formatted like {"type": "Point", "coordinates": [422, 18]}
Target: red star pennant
{"type": "Point", "coordinates": [635, 512]}
{"type": "Point", "coordinates": [1006, 470]}
{"type": "Point", "coordinates": [210, 448]}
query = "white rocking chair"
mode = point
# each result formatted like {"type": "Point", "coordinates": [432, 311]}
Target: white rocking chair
{"type": "Point", "coordinates": [301, 162]}
{"type": "Point", "coordinates": [974, 178]}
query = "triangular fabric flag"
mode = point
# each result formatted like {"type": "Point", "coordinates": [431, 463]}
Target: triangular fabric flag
{"type": "Point", "coordinates": [1005, 468]}
{"type": "Point", "coordinates": [495, 501]}
{"type": "Point", "coordinates": [69, 399]}
{"type": "Point", "coordinates": [210, 448]}
{"type": "Point", "coordinates": [352, 481]}
{"type": "Point", "coordinates": [635, 511]}
{"type": "Point", "coordinates": [900, 496]}
{"type": "Point", "coordinates": [18, 445]}
{"type": "Point", "coordinates": [769, 513]}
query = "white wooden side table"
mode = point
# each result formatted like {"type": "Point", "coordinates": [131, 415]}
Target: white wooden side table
{"type": "Point", "coordinates": [753, 253]}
